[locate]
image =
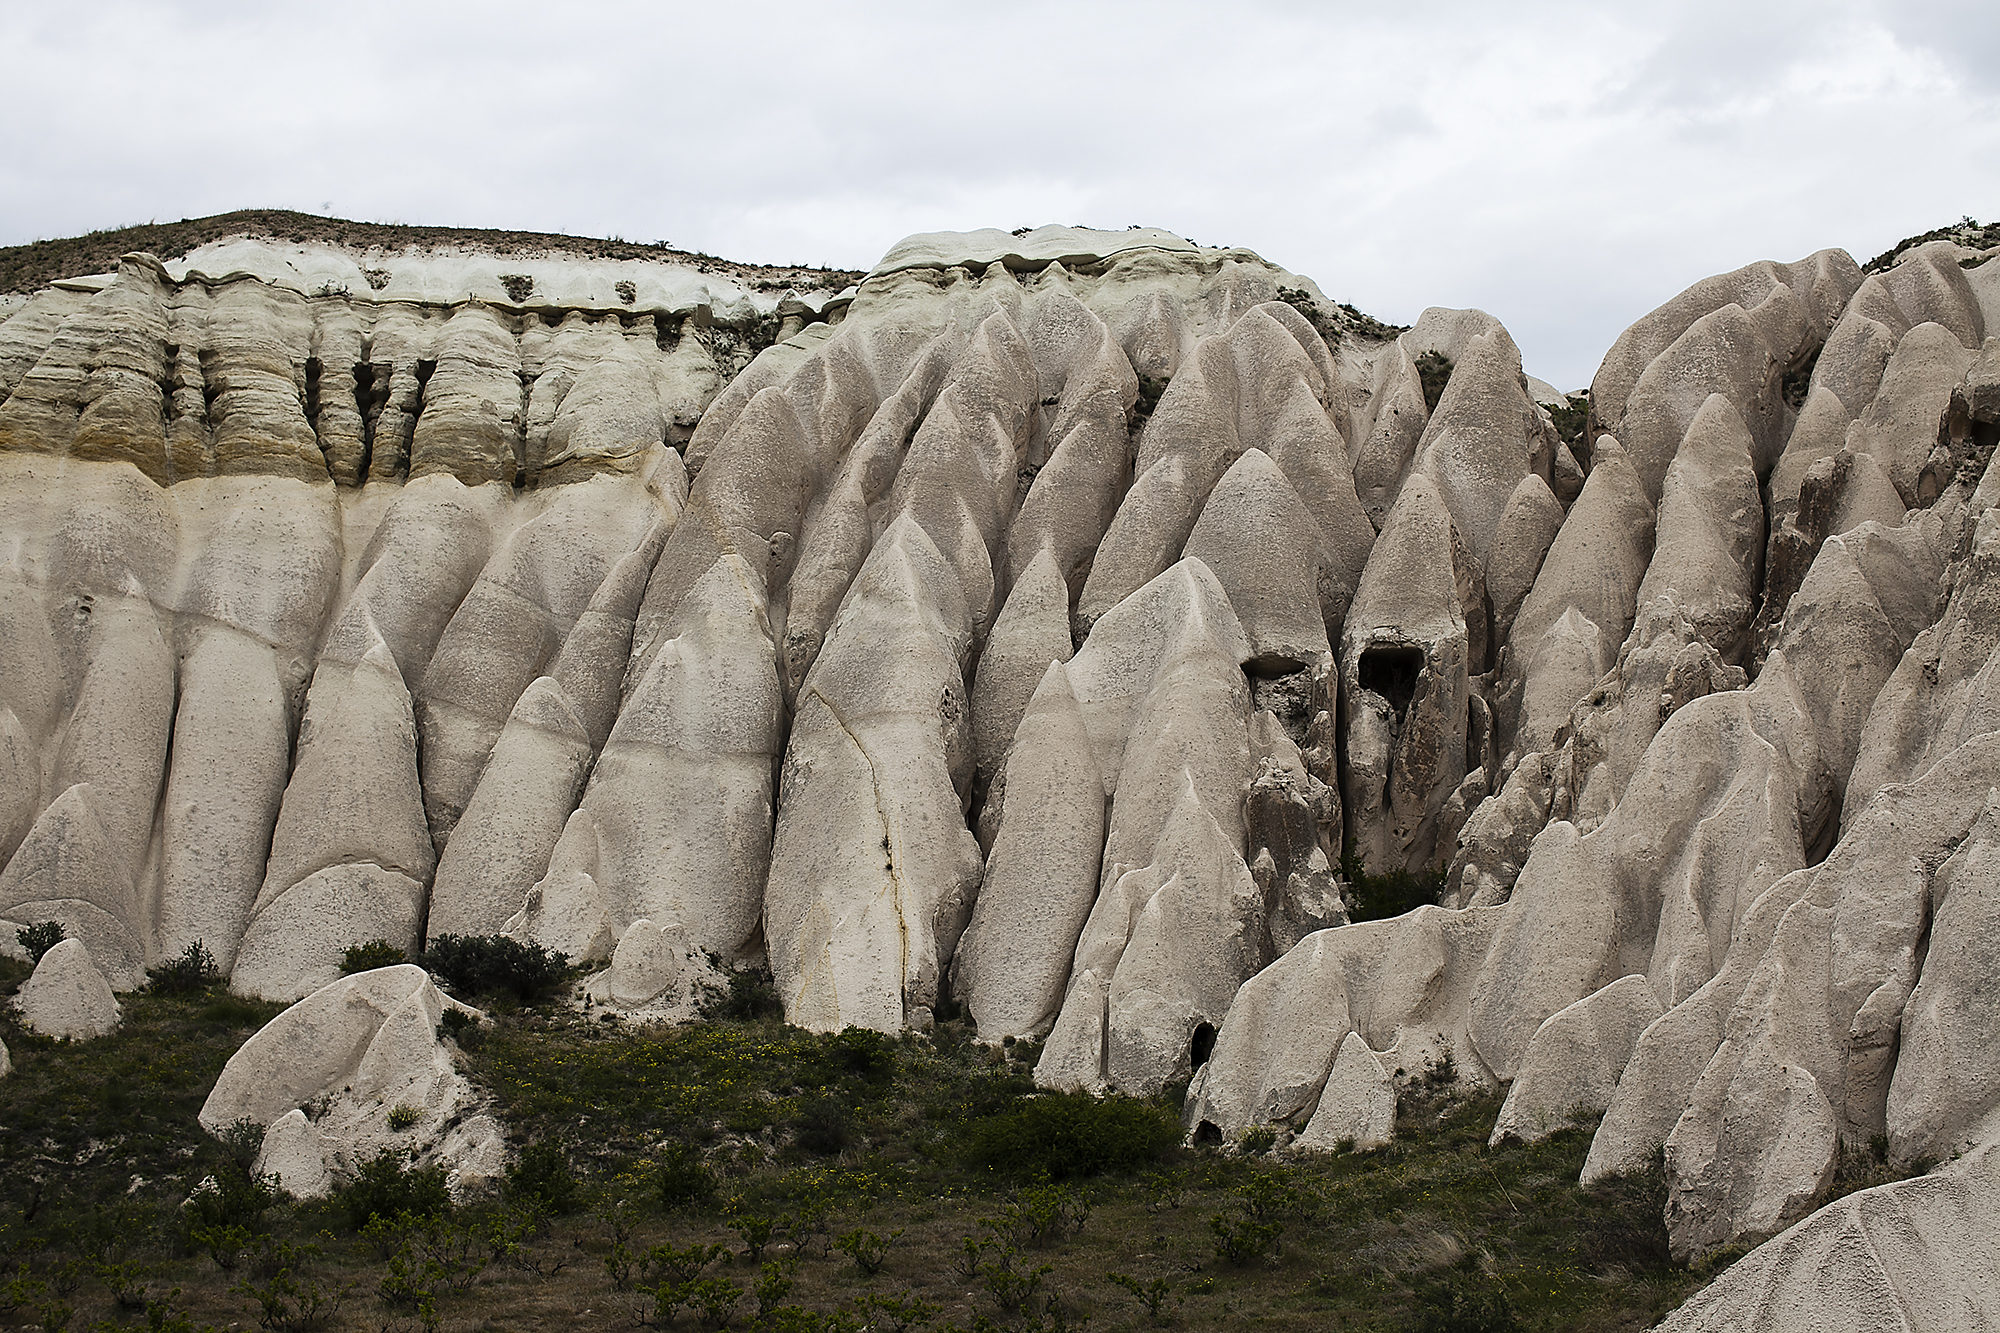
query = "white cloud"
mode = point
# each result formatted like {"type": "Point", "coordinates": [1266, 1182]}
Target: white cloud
{"type": "Point", "coordinates": [1565, 166]}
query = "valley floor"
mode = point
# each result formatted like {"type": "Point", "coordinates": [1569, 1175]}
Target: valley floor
{"type": "Point", "coordinates": [741, 1173]}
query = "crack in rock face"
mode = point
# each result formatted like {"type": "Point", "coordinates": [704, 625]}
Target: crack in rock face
{"type": "Point", "coordinates": [1108, 634]}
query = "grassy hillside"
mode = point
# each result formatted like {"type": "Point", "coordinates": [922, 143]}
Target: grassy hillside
{"type": "Point", "coordinates": [28, 268]}
{"type": "Point", "coordinates": [739, 1173]}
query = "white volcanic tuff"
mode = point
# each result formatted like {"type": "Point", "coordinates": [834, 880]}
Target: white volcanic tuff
{"type": "Point", "coordinates": [749, 492]}
{"type": "Point", "coordinates": [1081, 460]}
{"type": "Point", "coordinates": [66, 996]}
{"type": "Point", "coordinates": [1031, 631]}
{"type": "Point", "coordinates": [452, 274]}
{"type": "Point", "coordinates": [877, 494]}
{"type": "Point", "coordinates": [1165, 703]}
{"type": "Point", "coordinates": [27, 331]}
{"type": "Point", "coordinates": [1357, 1107]}
{"type": "Point", "coordinates": [1521, 540]}
{"type": "Point", "coordinates": [1945, 1094]}
{"type": "Point", "coordinates": [536, 772]}
{"type": "Point", "coordinates": [1865, 594]}
{"type": "Point", "coordinates": [350, 854]}
{"type": "Point", "coordinates": [1291, 820]}
{"type": "Point", "coordinates": [1484, 438]}
{"type": "Point", "coordinates": [241, 569]}
{"type": "Point", "coordinates": [357, 749]}
{"type": "Point", "coordinates": [364, 1047]}
{"type": "Point", "coordinates": [1262, 544]}
{"type": "Point", "coordinates": [1404, 661]}
{"type": "Point", "coordinates": [675, 825]}
{"type": "Point", "coordinates": [1041, 878]}
{"type": "Point", "coordinates": [1567, 632]}
{"type": "Point", "coordinates": [1573, 1061]}
{"type": "Point", "coordinates": [1916, 1254]}
{"type": "Point", "coordinates": [1178, 920]}
{"type": "Point", "coordinates": [1404, 985]}
{"type": "Point", "coordinates": [1384, 438]}
{"type": "Point", "coordinates": [514, 619]}
{"type": "Point", "coordinates": [1807, 1054]}
{"type": "Point", "coordinates": [1709, 547]}
{"type": "Point", "coordinates": [95, 390]}
{"type": "Point", "coordinates": [1822, 282]}
{"type": "Point", "coordinates": [1162, 954]}
{"type": "Point", "coordinates": [1946, 689]}
{"type": "Point", "coordinates": [1254, 386]}
{"type": "Point", "coordinates": [89, 683]}
{"type": "Point", "coordinates": [1851, 380]}
{"type": "Point", "coordinates": [269, 562]}
{"type": "Point", "coordinates": [873, 871]}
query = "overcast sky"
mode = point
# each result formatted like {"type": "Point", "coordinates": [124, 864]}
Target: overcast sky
{"type": "Point", "coordinates": [1564, 166]}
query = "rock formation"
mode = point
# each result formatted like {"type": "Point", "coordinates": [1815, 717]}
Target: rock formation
{"type": "Point", "coordinates": [355, 1069]}
{"type": "Point", "coordinates": [66, 996]}
{"type": "Point", "coordinates": [1035, 626]}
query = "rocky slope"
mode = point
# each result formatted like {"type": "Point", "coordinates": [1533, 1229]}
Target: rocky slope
{"type": "Point", "coordinates": [1032, 627]}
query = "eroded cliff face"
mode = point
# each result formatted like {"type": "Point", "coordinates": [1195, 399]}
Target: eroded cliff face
{"type": "Point", "coordinates": [1033, 627]}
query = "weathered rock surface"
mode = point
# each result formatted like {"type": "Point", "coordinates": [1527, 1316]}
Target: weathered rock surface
{"type": "Point", "coordinates": [1573, 1061]}
{"type": "Point", "coordinates": [1038, 624]}
{"type": "Point", "coordinates": [66, 996]}
{"type": "Point", "coordinates": [1916, 1254]}
{"type": "Point", "coordinates": [365, 1055]}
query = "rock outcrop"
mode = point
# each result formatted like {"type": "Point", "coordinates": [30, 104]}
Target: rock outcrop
{"type": "Point", "coordinates": [1036, 626]}
{"type": "Point", "coordinates": [356, 1069]}
{"type": "Point", "coordinates": [66, 996]}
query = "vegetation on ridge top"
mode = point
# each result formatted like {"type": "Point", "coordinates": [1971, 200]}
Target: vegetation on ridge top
{"type": "Point", "coordinates": [28, 268]}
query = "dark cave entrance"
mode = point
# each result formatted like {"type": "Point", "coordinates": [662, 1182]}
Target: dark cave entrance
{"type": "Point", "coordinates": [1391, 670]}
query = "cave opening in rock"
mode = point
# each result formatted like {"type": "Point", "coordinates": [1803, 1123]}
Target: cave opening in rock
{"type": "Point", "coordinates": [312, 392]}
{"type": "Point", "coordinates": [1202, 1046]}
{"type": "Point", "coordinates": [1391, 670]}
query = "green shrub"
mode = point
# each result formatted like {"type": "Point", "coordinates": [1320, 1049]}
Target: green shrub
{"type": "Point", "coordinates": [1373, 897]}
{"type": "Point", "coordinates": [1041, 1215]}
{"type": "Point", "coordinates": [191, 973]}
{"type": "Point", "coordinates": [1066, 1135]}
{"type": "Point", "coordinates": [1433, 372]}
{"type": "Point", "coordinates": [234, 1011]}
{"type": "Point", "coordinates": [823, 1126]}
{"type": "Point", "coordinates": [745, 995]}
{"type": "Point", "coordinates": [542, 1178]}
{"type": "Point", "coordinates": [755, 1229]}
{"type": "Point", "coordinates": [774, 1283]}
{"type": "Point", "coordinates": [864, 1054]}
{"type": "Point", "coordinates": [40, 937]}
{"type": "Point", "coordinates": [225, 1210]}
{"type": "Point", "coordinates": [1257, 1140]}
{"type": "Point", "coordinates": [289, 1298]}
{"type": "Point", "coordinates": [1152, 1296]}
{"type": "Point", "coordinates": [868, 1250]}
{"type": "Point", "coordinates": [682, 1178]}
{"type": "Point", "coordinates": [1241, 1240]}
{"type": "Point", "coordinates": [371, 955]}
{"type": "Point", "coordinates": [463, 1028]}
{"type": "Point", "coordinates": [1150, 391]}
{"type": "Point", "coordinates": [1571, 416]}
{"type": "Point", "coordinates": [389, 1187]}
{"type": "Point", "coordinates": [496, 967]}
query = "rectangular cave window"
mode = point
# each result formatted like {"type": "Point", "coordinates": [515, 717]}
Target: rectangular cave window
{"type": "Point", "coordinates": [1391, 670]}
